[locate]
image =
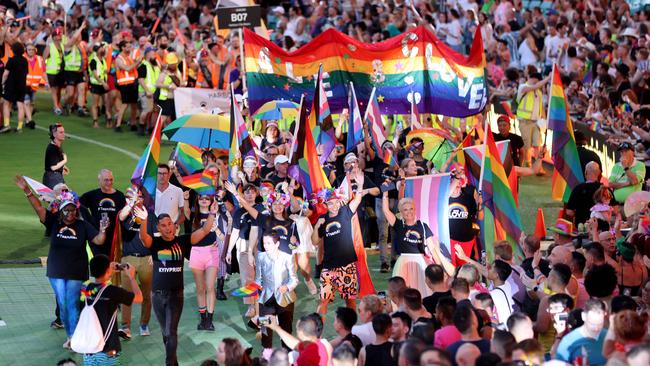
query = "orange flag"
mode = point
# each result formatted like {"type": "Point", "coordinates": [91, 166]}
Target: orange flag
{"type": "Point", "coordinates": [540, 225]}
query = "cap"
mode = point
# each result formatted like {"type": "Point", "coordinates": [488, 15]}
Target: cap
{"type": "Point", "coordinates": [171, 59]}
{"type": "Point", "coordinates": [149, 49]}
{"type": "Point", "coordinates": [504, 118]}
{"type": "Point", "coordinates": [280, 159]}
{"type": "Point", "coordinates": [125, 34]}
{"type": "Point", "coordinates": [350, 157]}
{"type": "Point", "coordinates": [66, 203]}
{"type": "Point", "coordinates": [629, 32]}
{"type": "Point", "coordinates": [278, 9]}
{"type": "Point", "coordinates": [625, 146]}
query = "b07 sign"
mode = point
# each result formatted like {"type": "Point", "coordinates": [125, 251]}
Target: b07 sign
{"type": "Point", "coordinates": [239, 17]}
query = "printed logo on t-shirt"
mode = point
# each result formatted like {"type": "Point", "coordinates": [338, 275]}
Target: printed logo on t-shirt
{"type": "Point", "coordinates": [172, 254]}
{"type": "Point", "coordinates": [458, 211]}
{"type": "Point", "coordinates": [281, 230]}
{"type": "Point", "coordinates": [106, 204]}
{"type": "Point", "coordinates": [412, 236]}
{"type": "Point", "coordinates": [333, 228]}
{"type": "Point", "coordinates": [67, 233]}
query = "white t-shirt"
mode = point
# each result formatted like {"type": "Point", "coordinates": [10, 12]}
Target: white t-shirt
{"type": "Point", "coordinates": [552, 48]}
{"type": "Point", "coordinates": [455, 35]}
{"type": "Point", "coordinates": [502, 298]}
{"type": "Point", "coordinates": [365, 333]}
{"type": "Point", "coordinates": [170, 202]}
{"type": "Point", "coordinates": [526, 55]}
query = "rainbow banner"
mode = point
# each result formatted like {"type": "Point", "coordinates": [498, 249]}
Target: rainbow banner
{"type": "Point", "coordinates": [431, 196]}
{"type": "Point", "coordinates": [444, 82]}
{"type": "Point", "coordinates": [305, 166]}
{"type": "Point", "coordinates": [501, 219]}
{"type": "Point", "coordinates": [566, 163]}
{"type": "Point", "coordinates": [355, 125]}
{"type": "Point", "coordinates": [145, 175]}
{"type": "Point", "coordinates": [187, 158]}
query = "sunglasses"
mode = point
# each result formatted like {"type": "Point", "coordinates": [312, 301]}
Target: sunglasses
{"type": "Point", "coordinates": [205, 198]}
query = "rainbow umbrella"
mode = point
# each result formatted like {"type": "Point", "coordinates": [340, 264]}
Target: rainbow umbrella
{"type": "Point", "coordinates": [277, 110]}
{"type": "Point", "coordinates": [437, 148]}
{"type": "Point", "coordinates": [201, 130]}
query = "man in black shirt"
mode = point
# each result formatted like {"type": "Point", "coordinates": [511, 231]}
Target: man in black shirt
{"type": "Point", "coordinates": [516, 142]}
{"type": "Point", "coordinates": [167, 252]}
{"type": "Point", "coordinates": [339, 257]}
{"type": "Point", "coordinates": [106, 299]}
{"type": "Point", "coordinates": [437, 282]}
{"type": "Point", "coordinates": [582, 196]}
{"type": "Point", "coordinates": [104, 202]}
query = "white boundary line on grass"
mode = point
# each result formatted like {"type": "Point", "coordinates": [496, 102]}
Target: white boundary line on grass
{"type": "Point", "coordinates": [98, 143]}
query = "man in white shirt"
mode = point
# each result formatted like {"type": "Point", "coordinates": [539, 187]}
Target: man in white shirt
{"type": "Point", "coordinates": [553, 45]}
{"type": "Point", "coordinates": [369, 306]}
{"type": "Point", "coordinates": [169, 198]}
{"type": "Point", "coordinates": [501, 292]}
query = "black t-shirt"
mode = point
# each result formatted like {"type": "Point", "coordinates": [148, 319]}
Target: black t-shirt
{"type": "Point", "coordinates": [462, 214]}
{"type": "Point", "coordinates": [111, 298]}
{"type": "Point", "coordinates": [516, 143]}
{"type": "Point", "coordinates": [131, 243]}
{"type": "Point", "coordinates": [355, 342]}
{"type": "Point", "coordinates": [243, 221]}
{"type": "Point", "coordinates": [338, 245]}
{"type": "Point", "coordinates": [285, 228]}
{"type": "Point", "coordinates": [482, 344]}
{"type": "Point", "coordinates": [103, 204]}
{"type": "Point", "coordinates": [367, 184]}
{"type": "Point", "coordinates": [410, 239]}
{"type": "Point", "coordinates": [582, 199]}
{"type": "Point", "coordinates": [53, 155]}
{"type": "Point", "coordinates": [221, 223]}
{"type": "Point", "coordinates": [430, 302]}
{"type": "Point", "coordinates": [18, 70]}
{"type": "Point", "coordinates": [168, 261]}
{"type": "Point", "coordinates": [67, 257]}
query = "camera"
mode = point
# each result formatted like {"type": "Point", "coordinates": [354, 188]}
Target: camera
{"type": "Point", "coordinates": [264, 320]}
{"type": "Point", "coordinates": [121, 266]}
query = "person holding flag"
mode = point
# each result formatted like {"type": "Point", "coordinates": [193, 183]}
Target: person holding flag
{"type": "Point", "coordinates": [464, 211]}
{"type": "Point", "coordinates": [339, 273]}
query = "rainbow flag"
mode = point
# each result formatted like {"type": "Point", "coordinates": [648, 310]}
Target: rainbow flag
{"type": "Point", "coordinates": [375, 124]}
{"type": "Point", "coordinates": [320, 119]}
{"type": "Point", "coordinates": [240, 140]}
{"type": "Point", "coordinates": [448, 83]}
{"type": "Point", "coordinates": [389, 158]}
{"type": "Point", "coordinates": [474, 157]}
{"type": "Point", "coordinates": [566, 163]}
{"type": "Point", "coordinates": [355, 125]}
{"type": "Point", "coordinates": [594, 126]}
{"type": "Point", "coordinates": [187, 158]}
{"type": "Point", "coordinates": [251, 289]}
{"type": "Point", "coordinates": [145, 175]}
{"type": "Point", "coordinates": [201, 182]}
{"type": "Point", "coordinates": [305, 166]}
{"type": "Point", "coordinates": [501, 219]}
{"type": "Point", "coordinates": [431, 196]}
{"type": "Point", "coordinates": [588, 73]}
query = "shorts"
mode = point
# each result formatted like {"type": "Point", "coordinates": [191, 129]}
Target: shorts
{"type": "Point", "coordinates": [530, 133]}
{"type": "Point", "coordinates": [73, 78]}
{"type": "Point", "coordinates": [13, 95]}
{"type": "Point", "coordinates": [469, 247]}
{"type": "Point", "coordinates": [129, 93]}
{"type": "Point", "coordinates": [29, 95]}
{"type": "Point", "coordinates": [55, 80]}
{"type": "Point", "coordinates": [168, 108]}
{"type": "Point", "coordinates": [203, 257]}
{"type": "Point", "coordinates": [97, 89]}
{"type": "Point", "coordinates": [146, 103]}
{"type": "Point", "coordinates": [342, 279]}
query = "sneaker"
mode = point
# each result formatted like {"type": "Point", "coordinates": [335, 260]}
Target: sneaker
{"type": "Point", "coordinates": [58, 111]}
{"type": "Point", "coordinates": [80, 112]}
{"type": "Point", "coordinates": [133, 127]}
{"type": "Point", "coordinates": [124, 333]}
{"type": "Point", "coordinates": [118, 129]}
{"type": "Point", "coordinates": [384, 268]}
{"type": "Point", "coordinates": [66, 345]}
{"type": "Point", "coordinates": [56, 324]}
{"type": "Point", "coordinates": [31, 125]}
{"type": "Point", "coordinates": [5, 129]}
{"type": "Point", "coordinates": [144, 330]}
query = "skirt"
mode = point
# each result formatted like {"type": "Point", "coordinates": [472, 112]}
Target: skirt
{"type": "Point", "coordinates": [50, 179]}
{"type": "Point", "coordinates": [411, 266]}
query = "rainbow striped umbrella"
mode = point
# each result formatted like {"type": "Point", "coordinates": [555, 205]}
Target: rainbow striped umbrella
{"type": "Point", "coordinates": [277, 110]}
{"type": "Point", "coordinates": [436, 147]}
{"type": "Point", "coordinates": [201, 130]}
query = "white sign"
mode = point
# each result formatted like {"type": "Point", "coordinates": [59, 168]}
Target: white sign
{"type": "Point", "coordinates": [195, 100]}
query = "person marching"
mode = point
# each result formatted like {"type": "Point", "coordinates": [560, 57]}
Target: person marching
{"type": "Point", "coordinates": [14, 84]}
{"type": "Point", "coordinates": [53, 55]}
{"type": "Point", "coordinates": [72, 72]}
{"type": "Point", "coordinates": [126, 73]}
{"type": "Point", "coordinates": [98, 77]}
{"type": "Point", "coordinates": [168, 80]}
{"type": "Point", "coordinates": [36, 77]}
{"type": "Point", "coordinates": [148, 73]}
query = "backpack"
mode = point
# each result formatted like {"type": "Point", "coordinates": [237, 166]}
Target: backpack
{"type": "Point", "coordinates": [89, 337]}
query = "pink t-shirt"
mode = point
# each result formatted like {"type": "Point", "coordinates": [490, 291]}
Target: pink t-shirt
{"type": "Point", "coordinates": [445, 336]}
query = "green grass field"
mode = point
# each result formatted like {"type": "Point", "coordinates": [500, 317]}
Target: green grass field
{"type": "Point", "coordinates": [29, 341]}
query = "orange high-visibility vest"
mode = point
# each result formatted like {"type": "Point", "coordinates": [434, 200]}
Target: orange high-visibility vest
{"type": "Point", "coordinates": [125, 77]}
{"type": "Point", "coordinates": [161, 59]}
{"type": "Point", "coordinates": [109, 57]}
{"type": "Point", "coordinates": [135, 53]}
{"type": "Point", "coordinates": [8, 53]}
{"type": "Point", "coordinates": [214, 77]}
{"type": "Point", "coordinates": [35, 73]}
{"type": "Point", "coordinates": [83, 48]}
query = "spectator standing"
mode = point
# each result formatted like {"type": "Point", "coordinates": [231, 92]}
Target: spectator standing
{"type": "Point", "coordinates": [588, 339]}
{"type": "Point", "coordinates": [55, 158]}
{"type": "Point", "coordinates": [14, 86]}
{"type": "Point", "coordinates": [369, 307]}
{"type": "Point", "coordinates": [169, 198]}
{"type": "Point", "coordinates": [380, 351]}
{"type": "Point", "coordinates": [627, 175]}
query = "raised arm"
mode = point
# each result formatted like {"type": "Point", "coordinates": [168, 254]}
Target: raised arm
{"type": "Point", "coordinates": [100, 238]}
{"type": "Point", "coordinates": [33, 200]}
{"type": "Point", "coordinates": [434, 247]}
{"type": "Point", "coordinates": [356, 201]}
{"type": "Point", "coordinates": [143, 215]}
{"type": "Point", "coordinates": [230, 187]}
{"type": "Point", "coordinates": [390, 217]}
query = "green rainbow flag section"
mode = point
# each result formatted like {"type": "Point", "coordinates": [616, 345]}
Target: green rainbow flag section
{"type": "Point", "coordinates": [414, 65]}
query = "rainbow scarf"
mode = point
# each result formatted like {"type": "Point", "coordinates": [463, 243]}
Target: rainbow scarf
{"type": "Point", "coordinates": [444, 81]}
{"type": "Point", "coordinates": [501, 219]}
{"type": "Point", "coordinates": [145, 174]}
{"type": "Point", "coordinates": [567, 173]}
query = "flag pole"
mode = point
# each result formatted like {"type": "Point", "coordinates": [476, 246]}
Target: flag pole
{"type": "Point", "coordinates": [242, 70]}
{"type": "Point", "coordinates": [487, 129]}
{"type": "Point", "coordinates": [548, 109]}
{"type": "Point", "coordinates": [365, 115]}
{"type": "Point", "coordinates": [296, 129]}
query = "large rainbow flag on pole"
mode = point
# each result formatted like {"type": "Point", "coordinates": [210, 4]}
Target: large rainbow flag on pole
{"type": "Point", "coordinates": [448, 83]}
{"type": "Point", "coordinates": [566, 163]}
{"type": "Point", "coordinates": [145, 175]}
{"type": "Point", "coordinates": [431, 196]}
{"type": "Point", "coordinates": [305, 166]}
{"type": "Point", "coordinates": [501, 219]}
